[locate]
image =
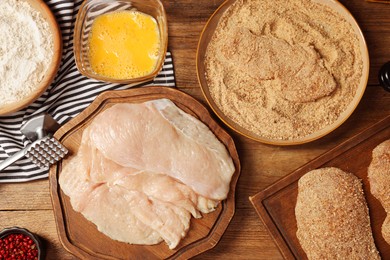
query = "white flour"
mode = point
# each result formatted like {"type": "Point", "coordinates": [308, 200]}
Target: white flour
{"type": "Point", "coordinates": [26, 48]}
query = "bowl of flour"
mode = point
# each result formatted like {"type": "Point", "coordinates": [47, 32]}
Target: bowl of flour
{"type": "Point", "coordinates": [30, 52]}
{"type": "Point", "coordinates": [282, 72]}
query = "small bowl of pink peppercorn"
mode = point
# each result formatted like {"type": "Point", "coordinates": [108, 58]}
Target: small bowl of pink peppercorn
{"type": "Point", "coordinates": [19, 243]}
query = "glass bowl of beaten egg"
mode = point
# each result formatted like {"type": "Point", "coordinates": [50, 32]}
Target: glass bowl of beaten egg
{"type": "Point", "coordinates": [120, 41]}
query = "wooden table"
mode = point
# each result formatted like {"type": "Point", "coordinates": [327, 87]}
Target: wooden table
{"type": "Point", "coordinates": [29, 205]}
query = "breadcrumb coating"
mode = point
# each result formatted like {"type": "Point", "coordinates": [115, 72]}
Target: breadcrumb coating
{"type": "Point", "coordinates": [332, 216]}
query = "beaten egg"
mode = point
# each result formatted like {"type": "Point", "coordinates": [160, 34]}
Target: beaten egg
{"type": "Point", "coordinates": [124, 44]}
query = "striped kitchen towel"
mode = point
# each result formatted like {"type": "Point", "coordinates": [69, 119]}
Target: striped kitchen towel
{"type": "Point", "coordinates": [68, 95]}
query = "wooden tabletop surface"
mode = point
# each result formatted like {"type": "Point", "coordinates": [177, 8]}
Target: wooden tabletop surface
{"type": "Point", "coordinates": [29, 205]}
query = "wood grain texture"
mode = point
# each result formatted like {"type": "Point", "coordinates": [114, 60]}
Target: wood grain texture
{"type": "Point", "coordinates": [276, 204]}
{"type": "Point", "coordinates": [246, 237]}
{"type": "Point", "coordinates": [40, 222]}
{"type": "Point", "coordinates": [81, 237]}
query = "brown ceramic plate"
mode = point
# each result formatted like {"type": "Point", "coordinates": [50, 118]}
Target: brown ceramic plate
{"type": "Point", "coordinates": [205, 38]}
{"type": "Point", "coordinates": [276, 204]}
{"type": "Point", "coordinates": [46, 13]}
{"type": "Point", "coordinates": [81, 238]}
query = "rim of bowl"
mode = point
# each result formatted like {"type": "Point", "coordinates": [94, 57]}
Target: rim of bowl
{"type": "Point", "coordinates": [345, 13]}
{"type": "Point", "coordinates": [18, 230]}
{"type": "Point", "coordinates": [77, 51]}
{"type": "Point", "coordinates": [41, 6]}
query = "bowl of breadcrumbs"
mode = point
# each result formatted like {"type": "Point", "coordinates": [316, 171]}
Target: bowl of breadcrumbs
{"type": "Point", "coordinates": [282, 72]}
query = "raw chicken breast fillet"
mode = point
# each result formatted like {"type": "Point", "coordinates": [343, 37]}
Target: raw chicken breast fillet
{"type": "Point", "coordinates": [164, 139]}
{"type": "Point", "coordinates": [143, 169]}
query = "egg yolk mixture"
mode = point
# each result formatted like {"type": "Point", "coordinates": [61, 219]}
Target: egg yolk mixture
{"type": "Point", "coordinates": [124, 44]}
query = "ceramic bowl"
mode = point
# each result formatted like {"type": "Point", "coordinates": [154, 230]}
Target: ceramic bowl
{"type": "Point", "coordinates": [204, 40]}
{"type": "Point", "coordinates": [46, 13]}
{"type": "Point", "coordinates": [17, 230]}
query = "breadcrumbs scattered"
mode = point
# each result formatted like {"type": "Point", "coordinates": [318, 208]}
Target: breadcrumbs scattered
{"type": "Point", "coordinates": [283, 69]}
{"type": "Point", "coordinates": [332, 216]}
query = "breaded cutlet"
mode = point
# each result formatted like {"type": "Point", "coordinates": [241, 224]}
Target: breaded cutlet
{"type": "Point", "coordinates": [332, 216]}
{"type": "Point", "coordinates": [379, 178]}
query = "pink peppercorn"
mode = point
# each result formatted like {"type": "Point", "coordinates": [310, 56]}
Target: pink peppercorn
{"type": "Point", "coordinates": [18, 246]}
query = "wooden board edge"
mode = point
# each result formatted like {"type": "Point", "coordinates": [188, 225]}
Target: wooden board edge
{"type": "Point", "coordinates": [228, 210]}
{"type": "Point", "coordinates": [321, 159]}
{"type": "Point", "coordinates": [219, 228]}
{"type": "Point", "coordinates": [258, 200]}
{"type": "Point", "coordinates": [60, 221]}
{"type": "Point", "coordinates": [271, 227]}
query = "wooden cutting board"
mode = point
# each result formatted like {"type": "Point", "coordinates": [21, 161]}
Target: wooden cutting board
{"type": "Point", "coordinates": [81, 237]}
{"type": "Point", "coordinates": [276, 204]}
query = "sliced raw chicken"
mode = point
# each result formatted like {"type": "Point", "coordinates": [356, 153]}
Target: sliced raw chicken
{"type": "Point", "coordinates": [135, 209]}
{"type": "Point", "coordinates": [103, 170]}
{"type": "Point", "coordinates": [75, 182]}
{"type": "Point", "coordinates": [166, 140]}
{"type": "Point", "coordinates": [130, 216]}
{"type": "Point", "coordinates": [106, 210]}
{"type": "Point", "coordinates": [164, 188]}
{"type": "Point", "coordinates": [151, 201]}
{"type": "Point", "coordinates": [95, 202]}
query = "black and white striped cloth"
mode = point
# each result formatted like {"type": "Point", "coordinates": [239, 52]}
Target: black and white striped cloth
{"type": "Point", "coordinates": [68, 95]}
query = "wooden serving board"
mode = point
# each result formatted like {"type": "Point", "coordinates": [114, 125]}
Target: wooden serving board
{"type": "Point", "coordinates": [81, 237]}
{"type": "Point", "coordinates": [276, 204]}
